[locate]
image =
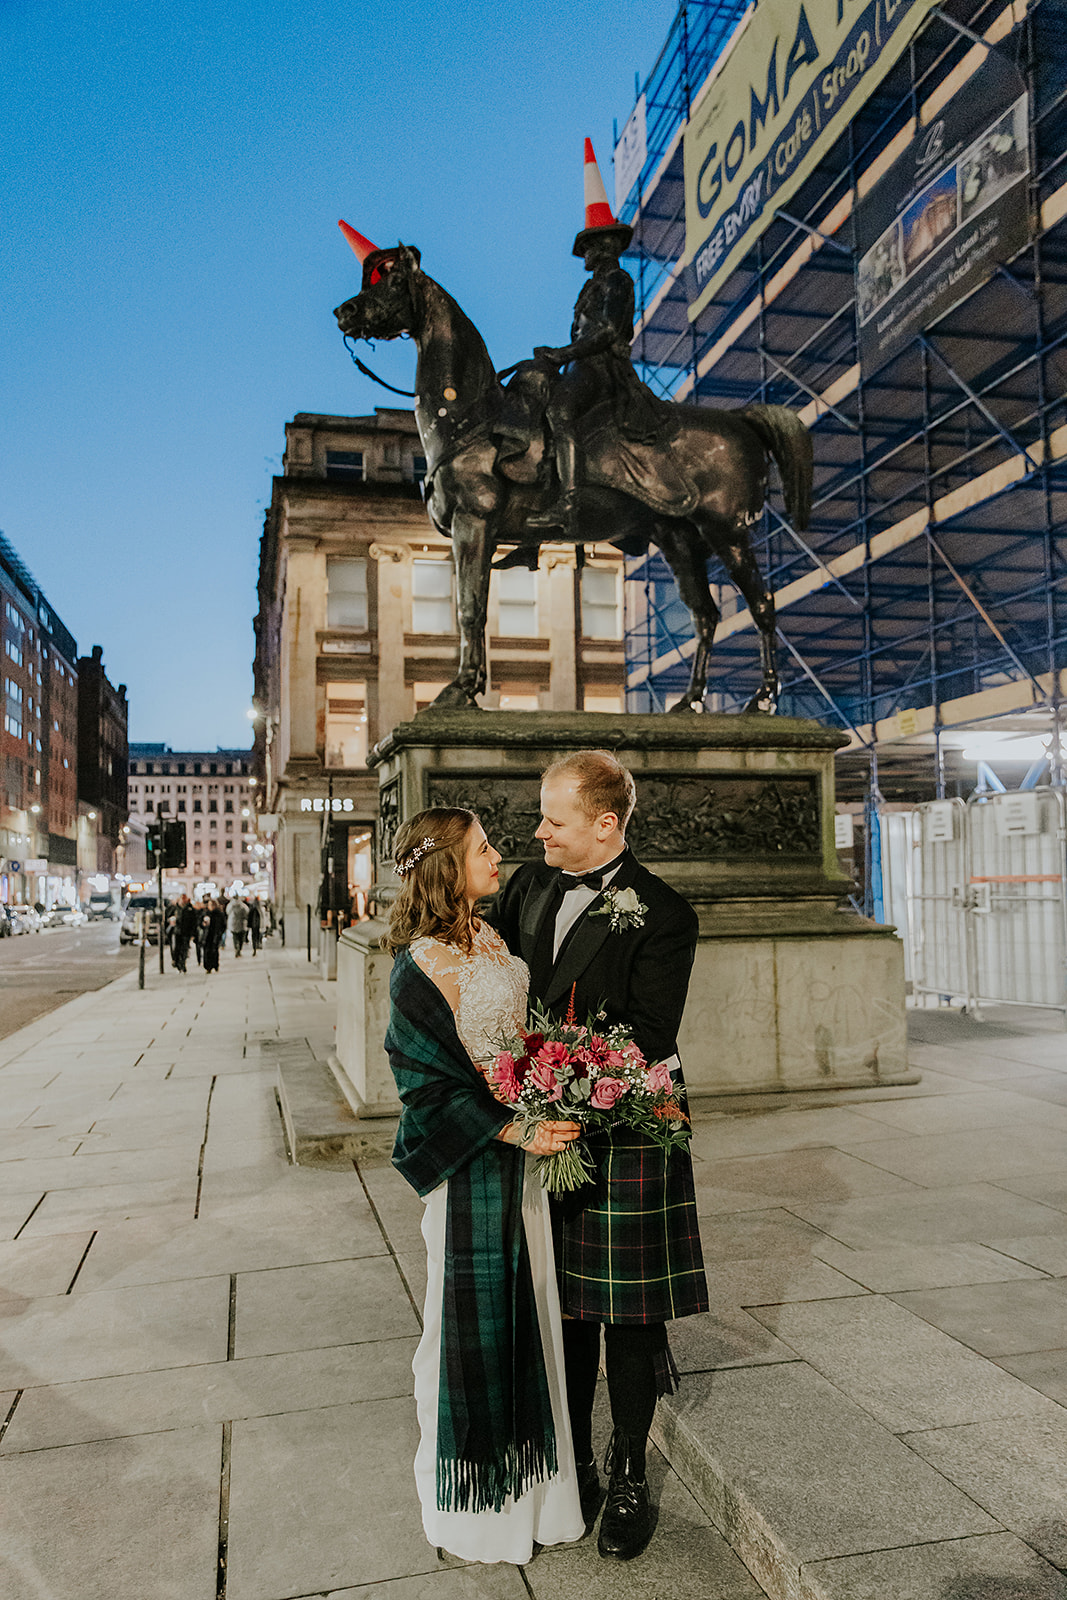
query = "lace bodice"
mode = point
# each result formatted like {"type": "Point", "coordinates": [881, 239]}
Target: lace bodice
{"type": "Point", "coordinates": [492, 984]}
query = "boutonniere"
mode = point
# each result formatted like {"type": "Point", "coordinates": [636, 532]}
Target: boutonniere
{"type": "Point", "coordinates": [624, 908]}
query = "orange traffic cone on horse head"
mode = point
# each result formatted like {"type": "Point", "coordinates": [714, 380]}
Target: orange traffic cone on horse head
{"type": "Point", "coordinates": [600, 222]}
{"type": "Point", "coordinates": [374, 261]}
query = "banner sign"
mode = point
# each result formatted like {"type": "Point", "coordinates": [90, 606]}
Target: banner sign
{"type": "Point", "coordinates": [953, 205]}
{"type": "Point", "coordinates": [631, 153]}
{"type": "Point", "coordinates": [795, 77]}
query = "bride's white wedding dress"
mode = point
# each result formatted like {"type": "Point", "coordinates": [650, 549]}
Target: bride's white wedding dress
{"type": "Point", "coordinates": [492, 987]}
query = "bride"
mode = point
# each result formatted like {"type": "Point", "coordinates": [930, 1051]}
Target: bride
{"type": "Point", "coordinates": [495, 1465]}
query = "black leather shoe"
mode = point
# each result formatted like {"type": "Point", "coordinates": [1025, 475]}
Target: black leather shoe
{"type": "Point", "coordinates": [626, 1526]}
{"type": "Point", "coordinates": [590, 1494]}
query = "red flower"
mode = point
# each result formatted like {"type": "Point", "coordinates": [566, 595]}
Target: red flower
{"type": "Point", "coordinates": [533, 1042]}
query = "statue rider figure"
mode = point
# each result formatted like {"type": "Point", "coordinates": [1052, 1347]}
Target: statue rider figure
{"type": "Point", "coordinates": [596, 365]}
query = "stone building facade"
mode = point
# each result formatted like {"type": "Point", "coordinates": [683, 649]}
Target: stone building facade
{"type": "Point", "coordinates": [103, 756]}
{"type": "Point", "coordinates": [356, 631]}
{"type": "Point", "coordinates": [213, 793]}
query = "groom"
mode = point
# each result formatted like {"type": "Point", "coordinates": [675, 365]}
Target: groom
{"type": "Point", "coordinates": [593, 920]}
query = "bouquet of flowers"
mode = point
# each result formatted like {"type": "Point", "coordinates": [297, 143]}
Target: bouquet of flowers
{"type": "Point", "coordinates": [580, 1072]}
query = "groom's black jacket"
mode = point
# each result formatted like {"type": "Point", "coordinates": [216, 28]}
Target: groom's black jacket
{"type": "Point", "coordinates": [628, 1244]}
{"type": "Point", "coordinates": [640, 976]}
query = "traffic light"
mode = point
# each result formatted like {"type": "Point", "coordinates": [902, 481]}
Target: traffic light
{"type": "Point", "coordinates": [173, 844]}
{"type": "Point", "coordinates": [165, 844]}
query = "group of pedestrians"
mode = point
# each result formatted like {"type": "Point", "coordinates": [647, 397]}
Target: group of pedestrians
{"type": "Point", "coordinates": [203, 925]}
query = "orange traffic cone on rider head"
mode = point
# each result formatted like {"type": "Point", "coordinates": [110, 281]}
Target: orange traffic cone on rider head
{"type": "Point", "coordinates": [374, 261]}
{"type": "Point", "coordinates": [600, 222]}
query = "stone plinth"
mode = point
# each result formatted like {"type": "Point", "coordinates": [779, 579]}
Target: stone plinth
{"type": "Point", "coordinates": [361, 1065]}
{"type": "Point", "coordinates": [736, 813]}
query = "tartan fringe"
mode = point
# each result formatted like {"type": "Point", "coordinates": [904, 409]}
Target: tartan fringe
{"type": "Point", "coordinates": [485, 1485]}
{"type": "Point", "coordinates": [667, 1375]}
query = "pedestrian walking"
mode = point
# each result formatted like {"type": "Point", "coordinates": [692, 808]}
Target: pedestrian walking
{"type": "Point", "coordinates": [183, 931]}
{"type": "Point", "coordinates": [255, 926]}
{"type": "Point", "coordinates": [212, 928]}
{"type": "Point", "coordinates": [237, 923]}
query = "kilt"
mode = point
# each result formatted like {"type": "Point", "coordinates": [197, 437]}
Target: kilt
{"type": "Point", "coordinates": [628, 1245]}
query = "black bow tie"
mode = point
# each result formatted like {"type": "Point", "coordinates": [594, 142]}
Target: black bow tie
{"type": "Point", "coordinates": [584, 880]}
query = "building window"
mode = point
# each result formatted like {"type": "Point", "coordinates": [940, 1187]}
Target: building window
{"type": "Point", "coordinates": [13, 651]}
{"type": "Point", "coordinates": [431, 597]}
{"type": "Point", "coordinates": [516, 593]}
{"type": "Point", "coordinates": [601, 612]}
{"type": "Point", "coordinates": [418, 468]}
{"type": "Point", "coordinates": [426, 694]}
{"type": "Point", "coordinates": [164, 805]}
{"type": "Point", "coordinates": [345, 464]}
{"type": "Point", "coordinates": [346, 592]}
{"type": "Point", "coordinates": [213, 805]}
{"type": "Point", "coordinates": [150, 805]}
{"type": "Point", "coordinates": [198, 805]}
{"type": "Point", "coordinates": [346, 725]}
{"type": "Point", "coordinates": [519, 700]}
{"type": "Point", "coordinates": [181, 805]}
{"type": "Point", "coordinates": [602, 700]}
{"type": "Point", "coordinates": [228, 805]}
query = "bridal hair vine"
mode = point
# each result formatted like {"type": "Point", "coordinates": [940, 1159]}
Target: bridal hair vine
{"type": "Point", "coordinates": [405, 865]}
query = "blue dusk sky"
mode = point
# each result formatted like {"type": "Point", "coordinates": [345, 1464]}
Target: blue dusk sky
{"type": "Point", "coordinates": [172, 179]}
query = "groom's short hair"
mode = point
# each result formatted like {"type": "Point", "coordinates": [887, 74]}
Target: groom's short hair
{"type": "Point", "coordinates": [603, 783]}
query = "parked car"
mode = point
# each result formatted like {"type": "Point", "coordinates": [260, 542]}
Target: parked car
{"type": "Point", "coordinates": [100, 904]}
{"type": "Point", "coordinates": [28, 918]}
{"type": "Point", "coordinates": [149, 904]}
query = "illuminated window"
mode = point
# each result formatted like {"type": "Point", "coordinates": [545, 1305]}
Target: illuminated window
{"type": "Point", "coordinates": [426, 694]}
{"type": "Point", "coordinates": [516, 593]}
{"type": "Point", "coordinates": [346, 725]}
{"type": "Point", "coordinates": [601, 612]}
{"type": "Point", "coordinates": [602, 700]}
{"type": "Point", "coordinates": [431, 597]}
{"type": "Point", "coordinates": [346, 592]}
{"type": "Point", "coordinates": [519, 700]}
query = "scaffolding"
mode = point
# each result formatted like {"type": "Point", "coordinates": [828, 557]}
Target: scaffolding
{"type": "Point", "coordinates": [928, 591]}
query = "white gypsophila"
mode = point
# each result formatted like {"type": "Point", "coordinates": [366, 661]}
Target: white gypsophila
{"type": "Point", "coordinates": [624, 907]}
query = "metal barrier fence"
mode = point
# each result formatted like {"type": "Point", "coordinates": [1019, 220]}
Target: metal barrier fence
{"type": "Point", "coordinates": [988, 902]}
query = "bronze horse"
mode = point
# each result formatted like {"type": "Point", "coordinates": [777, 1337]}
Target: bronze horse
{"type": "Point", "coordinates": [472, 499]}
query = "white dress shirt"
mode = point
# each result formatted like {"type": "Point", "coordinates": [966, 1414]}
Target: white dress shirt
{"type": "Point", "coordinates": [576, 900]}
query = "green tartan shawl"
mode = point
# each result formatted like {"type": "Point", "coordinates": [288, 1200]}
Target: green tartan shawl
{"type": "Point", "coordinates": [495, 1435]}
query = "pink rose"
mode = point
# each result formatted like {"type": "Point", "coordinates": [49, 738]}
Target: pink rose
{"type": "Point", "coordinates": [605, 1093]}
{"type": "Point", "coordinates": [614, 1059]}
{"type": "Point", "coordinates": [543, 1078]}
{"type": "Point", "coordinates": [504, 1077]}
{"type": "Point", "coordinates": [633, 1054]}
{"type": "Point", "coordinates": [553, 1055]}
{"type": "Point", "coordinates": [659, 1077]}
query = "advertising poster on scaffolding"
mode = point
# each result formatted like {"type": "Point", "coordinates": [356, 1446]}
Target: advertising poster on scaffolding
{"type": "Point", "coordinates": [950, 208]}
{"type": "Point", "coordinates": [788, 84]}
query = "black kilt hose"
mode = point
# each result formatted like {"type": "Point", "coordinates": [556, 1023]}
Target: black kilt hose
{"type": "Point", "coordinates": [627, 1245]}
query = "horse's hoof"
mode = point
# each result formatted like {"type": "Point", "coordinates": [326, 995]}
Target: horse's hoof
{"type": "Point", "coordinates": [762, 705]}
{"type": "Point", "coordinates": [685, 707]}
{"type": "Point", "coordinates": [454, 697]}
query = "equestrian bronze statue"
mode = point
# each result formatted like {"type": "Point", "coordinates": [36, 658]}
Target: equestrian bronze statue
{"type": "Point", "coordinates": [586, 454]}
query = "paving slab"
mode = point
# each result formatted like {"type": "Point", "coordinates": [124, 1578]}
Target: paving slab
{"type": "Point", "coordinates": [993, 1566]}
{"type": "Point", "coordinates": [1049, 1188]}
{"type": "Point", "coordinates": [323, 1500]}
{"type": "Point", "coordinates": [181, 1397]}
{"type": "Point", "coordinates": [719, 1138]}
{"type": "Point", "coordinates": [31, 1267]}
{"type": "Point", "coordinates": [61, 1337]}
{"type": "Point", "coordinates": [934, 1114]}
{"type": "Point", "coordinates": [973, 1212]}
{"type": "Point", "coordinates": [1016, 1468]}
{"type": "Point", "coordinates": [144, 1250]}
{"type": "Point", "coordinates": [1045, 1252]}
{"type": "Point", "coordinates": [724, 1337]}
{"type": "Point", "coordinates": [15, 1211]}
{"type": "Point", "coordinates": [953, 1158]}
{"type": "Point", "coordinates": [328, 1303]}
{"type": "Point", "coordinates": [113, 1520]}
{"type": "Point", "coordinates": [741, 1235]}
{"type": "Point", "coordinates": [65, 1209]}
{"type": "Point", "coordinates": [450, 1583]}
{"type": "Point", "coordinates": [906, 1374]}
{"type": "Point", "coordinates": [996, 1319]}
{"type": "Point", "coordinates": [926, 1266]}
{"type": "Point", "coordinates": [764, 1281]}
{"type": "Point", "coordinates": [1045, 1370]}
{"type": "Point", "coordinates": [794, 1472]}
{"type": "Point", "coordinates": [92, 1170]}
{"type": "Point", "coordinates": [822, 1173]}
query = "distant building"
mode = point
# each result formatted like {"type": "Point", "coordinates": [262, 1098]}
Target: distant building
{"type": "Point", "coordinates": [356, 632]}
{"type": "Point", "coordinates": [38, 743]}
{"type": "Point", "coordinates": [211, 791]}
{"type": "Point", "coordinates": [102, 767]}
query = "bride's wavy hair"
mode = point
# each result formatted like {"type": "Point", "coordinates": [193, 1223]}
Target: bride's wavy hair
{"type": "Point", "coordinates": [430, 855]}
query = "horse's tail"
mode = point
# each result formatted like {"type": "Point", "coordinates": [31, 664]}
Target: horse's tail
{"type": "Point", "coordinates": [785, 437]}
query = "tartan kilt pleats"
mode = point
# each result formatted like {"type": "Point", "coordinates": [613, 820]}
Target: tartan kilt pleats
{"type": "Point", "coordinates": [628, 1244]}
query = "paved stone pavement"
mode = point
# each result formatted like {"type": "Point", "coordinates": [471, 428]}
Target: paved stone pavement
{"type": "Point", "coordinates": [205, 1352]}
{"type": "Point", "coordinates": [205, 1385]}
